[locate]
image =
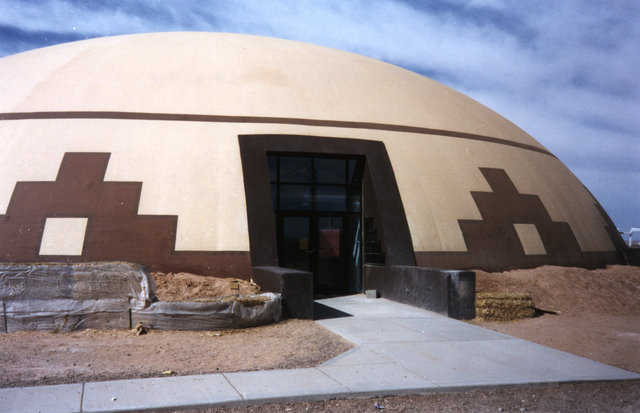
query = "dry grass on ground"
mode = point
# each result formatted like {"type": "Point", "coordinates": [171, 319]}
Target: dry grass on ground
{"type": "Point", "coordinates": [598, 310]}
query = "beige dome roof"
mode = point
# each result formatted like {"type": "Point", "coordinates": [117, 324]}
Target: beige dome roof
{"type": "Point", "coordinates": [161, 117]}
{"type": "Point", "coordinates": [237, 75]}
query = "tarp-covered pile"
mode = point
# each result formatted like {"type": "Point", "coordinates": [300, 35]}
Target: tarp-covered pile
{"type": "Point", "coordinates": [245, 311]}
{"type": "Point", "coordinates": [64, 297]}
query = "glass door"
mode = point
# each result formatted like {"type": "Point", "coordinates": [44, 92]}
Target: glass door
{"type": "Point", "coordinates": [330, 259]}
{"type": "Point", "coordinates": [317, 204]}
{"type": "Point", "coordinates": [296, 249]}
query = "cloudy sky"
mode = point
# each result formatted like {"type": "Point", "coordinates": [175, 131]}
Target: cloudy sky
{"type": "Point", "coordinates": [567, 72]}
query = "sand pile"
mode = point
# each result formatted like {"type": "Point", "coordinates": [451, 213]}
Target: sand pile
{"type": "Point", "coordinates": [184, 286]}
{"type": "Point", "coordinates": [597, 311]}
{"type": "Point", "coordinates": [612, 290]}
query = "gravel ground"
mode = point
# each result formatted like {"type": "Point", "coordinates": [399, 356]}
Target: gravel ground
{"type": "Point", "coordinates": [622, 397]}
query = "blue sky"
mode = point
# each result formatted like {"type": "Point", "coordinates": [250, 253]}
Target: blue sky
{"type": "Point", "coordinates": [565, 71]}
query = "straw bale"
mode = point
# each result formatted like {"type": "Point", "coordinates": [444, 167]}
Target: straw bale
{"type": "Point", "coordinates": [504, 306]}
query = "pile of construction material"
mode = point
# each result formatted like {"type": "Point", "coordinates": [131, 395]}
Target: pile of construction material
{"type": "Point", "coordinates": [103, 295]}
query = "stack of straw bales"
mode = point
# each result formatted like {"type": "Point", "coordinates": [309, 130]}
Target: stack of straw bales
{"type": "Point", "coordinates": [504, 306]}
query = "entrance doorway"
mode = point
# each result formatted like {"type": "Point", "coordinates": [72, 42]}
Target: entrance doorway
{"type": "Point", "coordinates": [317, 203]}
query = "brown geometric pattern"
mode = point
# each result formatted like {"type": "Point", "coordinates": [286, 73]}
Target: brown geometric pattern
{"type": "Point", "coordinates": [493, 243]}
{"type": "Point", "coordinates": [114, 231]}
{"type": "Point", "coordinates": [495, 238]}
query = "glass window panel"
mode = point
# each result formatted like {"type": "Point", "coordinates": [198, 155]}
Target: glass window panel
{"type": "Point", "coordinates": [295, 197]}
{"type": "Point", "coordinates": [274, 196]}
{"type": "Point", "coordinates": [330, 171]}
{"type": "Point", "coordinates": [273, 167]}
{"type": "Point", "coordinates": [296, 248]}
{"type": "Point", "coordinates": [355, 171]}
{"type": "Point", "coordinates": [331, 198]}
{"type": "Point", "coordinates": [354, 200]}
{"type": "Point", "coordinates": [294, 169]}
{"type": "Point", "coordinates": [329, 235]}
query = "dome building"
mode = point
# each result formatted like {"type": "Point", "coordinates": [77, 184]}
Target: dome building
{"type": "Point", "coordinates": [217, 153]}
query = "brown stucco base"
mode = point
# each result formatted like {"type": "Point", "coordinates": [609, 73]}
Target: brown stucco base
{"type": "Point", "coordinates": [494, 262]}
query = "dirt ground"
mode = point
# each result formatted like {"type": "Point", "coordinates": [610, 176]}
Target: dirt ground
{"type": "Point", "coordinates": [620, 397]}
{"type": "Point", "coordinates": [598, 311]}
{"type": "Point", "coordinates": [37, 358]}
{"type": "Point", "coordinates": [598, 317]}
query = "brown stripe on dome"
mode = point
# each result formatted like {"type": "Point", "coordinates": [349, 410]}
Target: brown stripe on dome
{"type": "Point", "coordinates": [186, 117]}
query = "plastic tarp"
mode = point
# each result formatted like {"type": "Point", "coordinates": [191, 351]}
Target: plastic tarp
{"type": "Point", "coordinates": [3, 319]}
{"type": "Point", "coordinates": [65, 297]}
{"type": "Point", "coordinates": [59, 296]}
{"type": "Point", "coordinates": [245, 311]}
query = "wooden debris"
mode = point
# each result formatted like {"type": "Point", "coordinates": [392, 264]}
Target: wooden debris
{"type": "Point", "coordinates": [140, 329]}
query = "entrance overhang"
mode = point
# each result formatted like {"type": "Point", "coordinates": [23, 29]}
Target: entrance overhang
{"type": "Point", "coordinates": [390, 215]}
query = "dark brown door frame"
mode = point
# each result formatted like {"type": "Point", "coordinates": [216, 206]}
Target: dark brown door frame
{"type": "Point", "coordinates": [261, 219]}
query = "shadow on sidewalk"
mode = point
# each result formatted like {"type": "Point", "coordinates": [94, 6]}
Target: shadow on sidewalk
{"type": "Point", "coordinates": [323, 312]}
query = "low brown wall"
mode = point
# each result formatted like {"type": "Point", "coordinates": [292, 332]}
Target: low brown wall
{"type": "Point", "coordinates": [633, 256]}
{"type": "Point", "coordinates": [295, 286]}
{"type": "Point", "coordinates": [448, 292]}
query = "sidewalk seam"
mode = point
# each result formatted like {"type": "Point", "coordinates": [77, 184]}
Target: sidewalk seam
{"type": "Point", "coordinates": [340, 356]}
{"type": "Point", "coordinates": [335, 380]}
{"type": "Point", "coordinates": [82, 398]}
{"type": "Point", "coordinates": [233, 387]}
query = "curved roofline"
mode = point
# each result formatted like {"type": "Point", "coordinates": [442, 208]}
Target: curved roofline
{"type": "Point", "coordinates": [429, 104]}
{"type": "Point", "coordinates": [185, 117]}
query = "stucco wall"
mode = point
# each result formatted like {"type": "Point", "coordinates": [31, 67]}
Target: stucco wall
{"type": "Point", "coordinates": [193, 170]}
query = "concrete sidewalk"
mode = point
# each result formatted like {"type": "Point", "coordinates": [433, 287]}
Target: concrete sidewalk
{"type": "Point", "coordinates": [399, 349]}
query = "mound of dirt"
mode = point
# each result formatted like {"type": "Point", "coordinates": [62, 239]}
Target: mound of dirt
{"type": "Point", "coordinates": [613, 290]}
{"type": "Point", "coordinates": [184, 286]}
{"type": "Point", "coordinates": [598, 311]}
